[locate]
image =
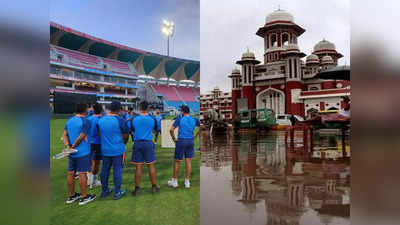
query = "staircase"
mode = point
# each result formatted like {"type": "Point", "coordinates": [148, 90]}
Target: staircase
{"type": "Point", "coordinates": [179, 95]}
{"type": "Point", "coordinates": [146, 92]}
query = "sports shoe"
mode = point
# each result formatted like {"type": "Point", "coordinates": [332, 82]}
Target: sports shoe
{"type": "Point", "coordinates": [136, 192]}
{"type": "Point", "coordinates": [87, 199]}
{"type": "Point", "coordinates": [72, 199]}
{"type": "Point", "coordinates": [173, 183]}
{"type": "Point", "coordinates": [187, 183]}
{"type": "Point", "coordinates": [76, 175]}
{"type": "Point", "coordinates": [119, 194]}
{"type": "Point", "coordinates": [95, 184]}
{"type": "Point", "coordinates": [105, 194]}
{"type": "Point", "coordinates": [154, 189]}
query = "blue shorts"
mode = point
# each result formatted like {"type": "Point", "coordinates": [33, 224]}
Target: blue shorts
{"type": "Point", "coordinates": [184, 147]}
{"type": "Point", "coordinates": [95, 152]}
{"type": "Point", "coordinates": [81, 164]}
{"type": "Point", "coordinates": [143, 151]}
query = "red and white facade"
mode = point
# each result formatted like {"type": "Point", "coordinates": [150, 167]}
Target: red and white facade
{"type": "Point", "coordinates": [284, 82]}
{"type": "Point", "coordinates": [219, 100]}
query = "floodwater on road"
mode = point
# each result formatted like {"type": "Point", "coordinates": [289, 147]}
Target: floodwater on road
{"type": "Point", "coordinates": [254, 178]}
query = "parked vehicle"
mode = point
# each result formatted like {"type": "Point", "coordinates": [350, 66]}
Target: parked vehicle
{"type": "Point", "coordinates": [284, 119]}
{"type": "Point", "coordinates": [257, 118]}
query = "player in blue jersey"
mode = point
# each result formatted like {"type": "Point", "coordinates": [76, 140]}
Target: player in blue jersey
{"type": "Point", "coordinates": [90, 110]}
{"type": "Point", "coordinates": [184, 145]}
{"type": "Point", "coordinates": [114, 134]}
{"type": "Point", "coordinates": [95, 147]}
{"type": "Point", "coordinates": [142, 128]}
{"type": "Point", "coordinates": [74, 137]}
{"type": "Point", "coordinates": [158, 118]}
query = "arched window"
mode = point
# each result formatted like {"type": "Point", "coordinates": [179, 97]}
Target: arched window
{"type": "Point", "coordinates": [285, 39]}
{"type": "Point", "coordinates": [273, 40]}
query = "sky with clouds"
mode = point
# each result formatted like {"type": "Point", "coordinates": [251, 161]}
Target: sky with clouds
{"type": "Point", "coordinates": [228, 27]}
{"type": "Point", "coordinates": [135, 23]}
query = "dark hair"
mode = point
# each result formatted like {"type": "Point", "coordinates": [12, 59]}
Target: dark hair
{"type": "Point", "coordinates": [143, 106]}
{"type": "Point", "coordinates": [97, 108]}
{"type": "Point", "coordinates": [185, 109]}
{"type": "Point", "coordinates": [115, 106]}
{"type": "Point", "coordinates": [81, 108]}
{"type": "Point", "coordinates": [130, 109]}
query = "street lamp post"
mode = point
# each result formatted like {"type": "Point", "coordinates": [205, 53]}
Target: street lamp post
{"type": "Point", "coordinates": [168, 29]}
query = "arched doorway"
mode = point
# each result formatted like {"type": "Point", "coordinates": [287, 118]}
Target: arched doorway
{"type": "Point", "coordinates": [272, 99]}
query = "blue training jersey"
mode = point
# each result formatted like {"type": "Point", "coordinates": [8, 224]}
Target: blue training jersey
{"type": "Point", "coordinates": [111, 129]}
{"type": "Point", "coordinates": [158, 119]}
{"type": "Point", "coordinates": [90, 113]}
{"type": "Point", "coordinates": [93, 136]}
{"type": "Point", "coordinates": [74, 127]}
{"type": "Point", "coordinates": [142, 127]}
{"type": "Point", "coordinates": [186, 126]}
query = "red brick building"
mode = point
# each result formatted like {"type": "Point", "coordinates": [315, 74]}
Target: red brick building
{"type": "Point", "coordinates": [284, 82]}
{"type": "Point", "coordinates": [217, 99]}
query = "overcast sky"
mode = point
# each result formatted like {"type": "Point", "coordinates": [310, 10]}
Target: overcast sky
{"type": "Point", "coordinates": [228, 27]}
{"type": "Point", "coordinates": [135, 23]}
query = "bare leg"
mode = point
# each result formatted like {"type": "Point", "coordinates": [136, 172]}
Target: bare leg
{"type": "Point", "coordinates": [83, 183]}
{"type": "Point", "coordinates": [95, 167]}
{"type": "Point", "coordinates": [176, 169]}
{"type": "Point", "coordinates": [71, 182]}
{"type": "Point", "coordinates": [138, 174]}
{"type": "Point", "coordinates": [188, 162]}
{"type": "Point", "coordinates": [152, 173]}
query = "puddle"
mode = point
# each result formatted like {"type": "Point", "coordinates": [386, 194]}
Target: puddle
{"type": "Point", "coordinates": [259, 179]}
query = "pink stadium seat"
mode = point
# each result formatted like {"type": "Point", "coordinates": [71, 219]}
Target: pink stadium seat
{"type": "Point", "coordinates": [79, 56]}
{"type": "Point", "coordinates": [117, 65]}
{"type": "Point", "coordinates": [186, 93]}
{"type": "Point", "coordinates": [167, 91]}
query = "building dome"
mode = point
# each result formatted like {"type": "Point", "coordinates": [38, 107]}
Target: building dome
{"type": "Point", "coordinates": [324, 45]}
{"type": "Point", "coordinates": [312, 59]}
{"type": "Point", "coordinates": [327, 60]}
{"type": "Point", "coordinates": [236, 71]}
{"type": "Point", "coordinates": [279, 15]}
{"type": "Point", "coordinates": [248, 55]}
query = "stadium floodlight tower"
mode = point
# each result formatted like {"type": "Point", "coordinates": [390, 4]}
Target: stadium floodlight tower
{"type": "Point", "coordinates": [168, 29]}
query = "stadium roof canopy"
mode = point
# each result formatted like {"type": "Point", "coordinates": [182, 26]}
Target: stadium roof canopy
{"type": "Point", "coordinates": [148, 63]}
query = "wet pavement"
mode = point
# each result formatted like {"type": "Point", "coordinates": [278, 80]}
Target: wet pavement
{"type": "Point", "coordinates": [254, 178]}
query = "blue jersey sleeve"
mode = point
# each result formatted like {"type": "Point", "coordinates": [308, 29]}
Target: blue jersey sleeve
{"type": "Point", "coordinates": [132, 128]}
{"type": "Point", "coordinates": [123, 126]}
{"type": "Point", "coordinates": [176, 122]}
{"type": "Point", "coordinates": [197, 122]}
{"type": "Point", "coordinates": [97, 127]}
{"type": "Point", "coordinates": [85, 126]}
{"type": "Point", "coordinates": [155, 124]}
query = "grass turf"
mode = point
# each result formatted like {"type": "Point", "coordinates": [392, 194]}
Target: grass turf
{"type": "Point", "coordinates": [169, 206]}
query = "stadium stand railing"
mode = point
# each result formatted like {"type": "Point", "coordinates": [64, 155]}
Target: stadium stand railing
{"type": "Point", "coordinates": [76, 58]}
{"type": "Point", "coordinates": [186, 93]}
{"type": "Point", "coordinates": [179, 95]}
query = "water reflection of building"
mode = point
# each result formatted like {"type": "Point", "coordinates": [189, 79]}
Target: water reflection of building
{"type": "Point", "coordinates": [290, 182]}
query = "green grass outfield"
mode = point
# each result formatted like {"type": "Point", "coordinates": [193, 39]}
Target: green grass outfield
{"type": "Point", "coordinates": [169, 206]}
